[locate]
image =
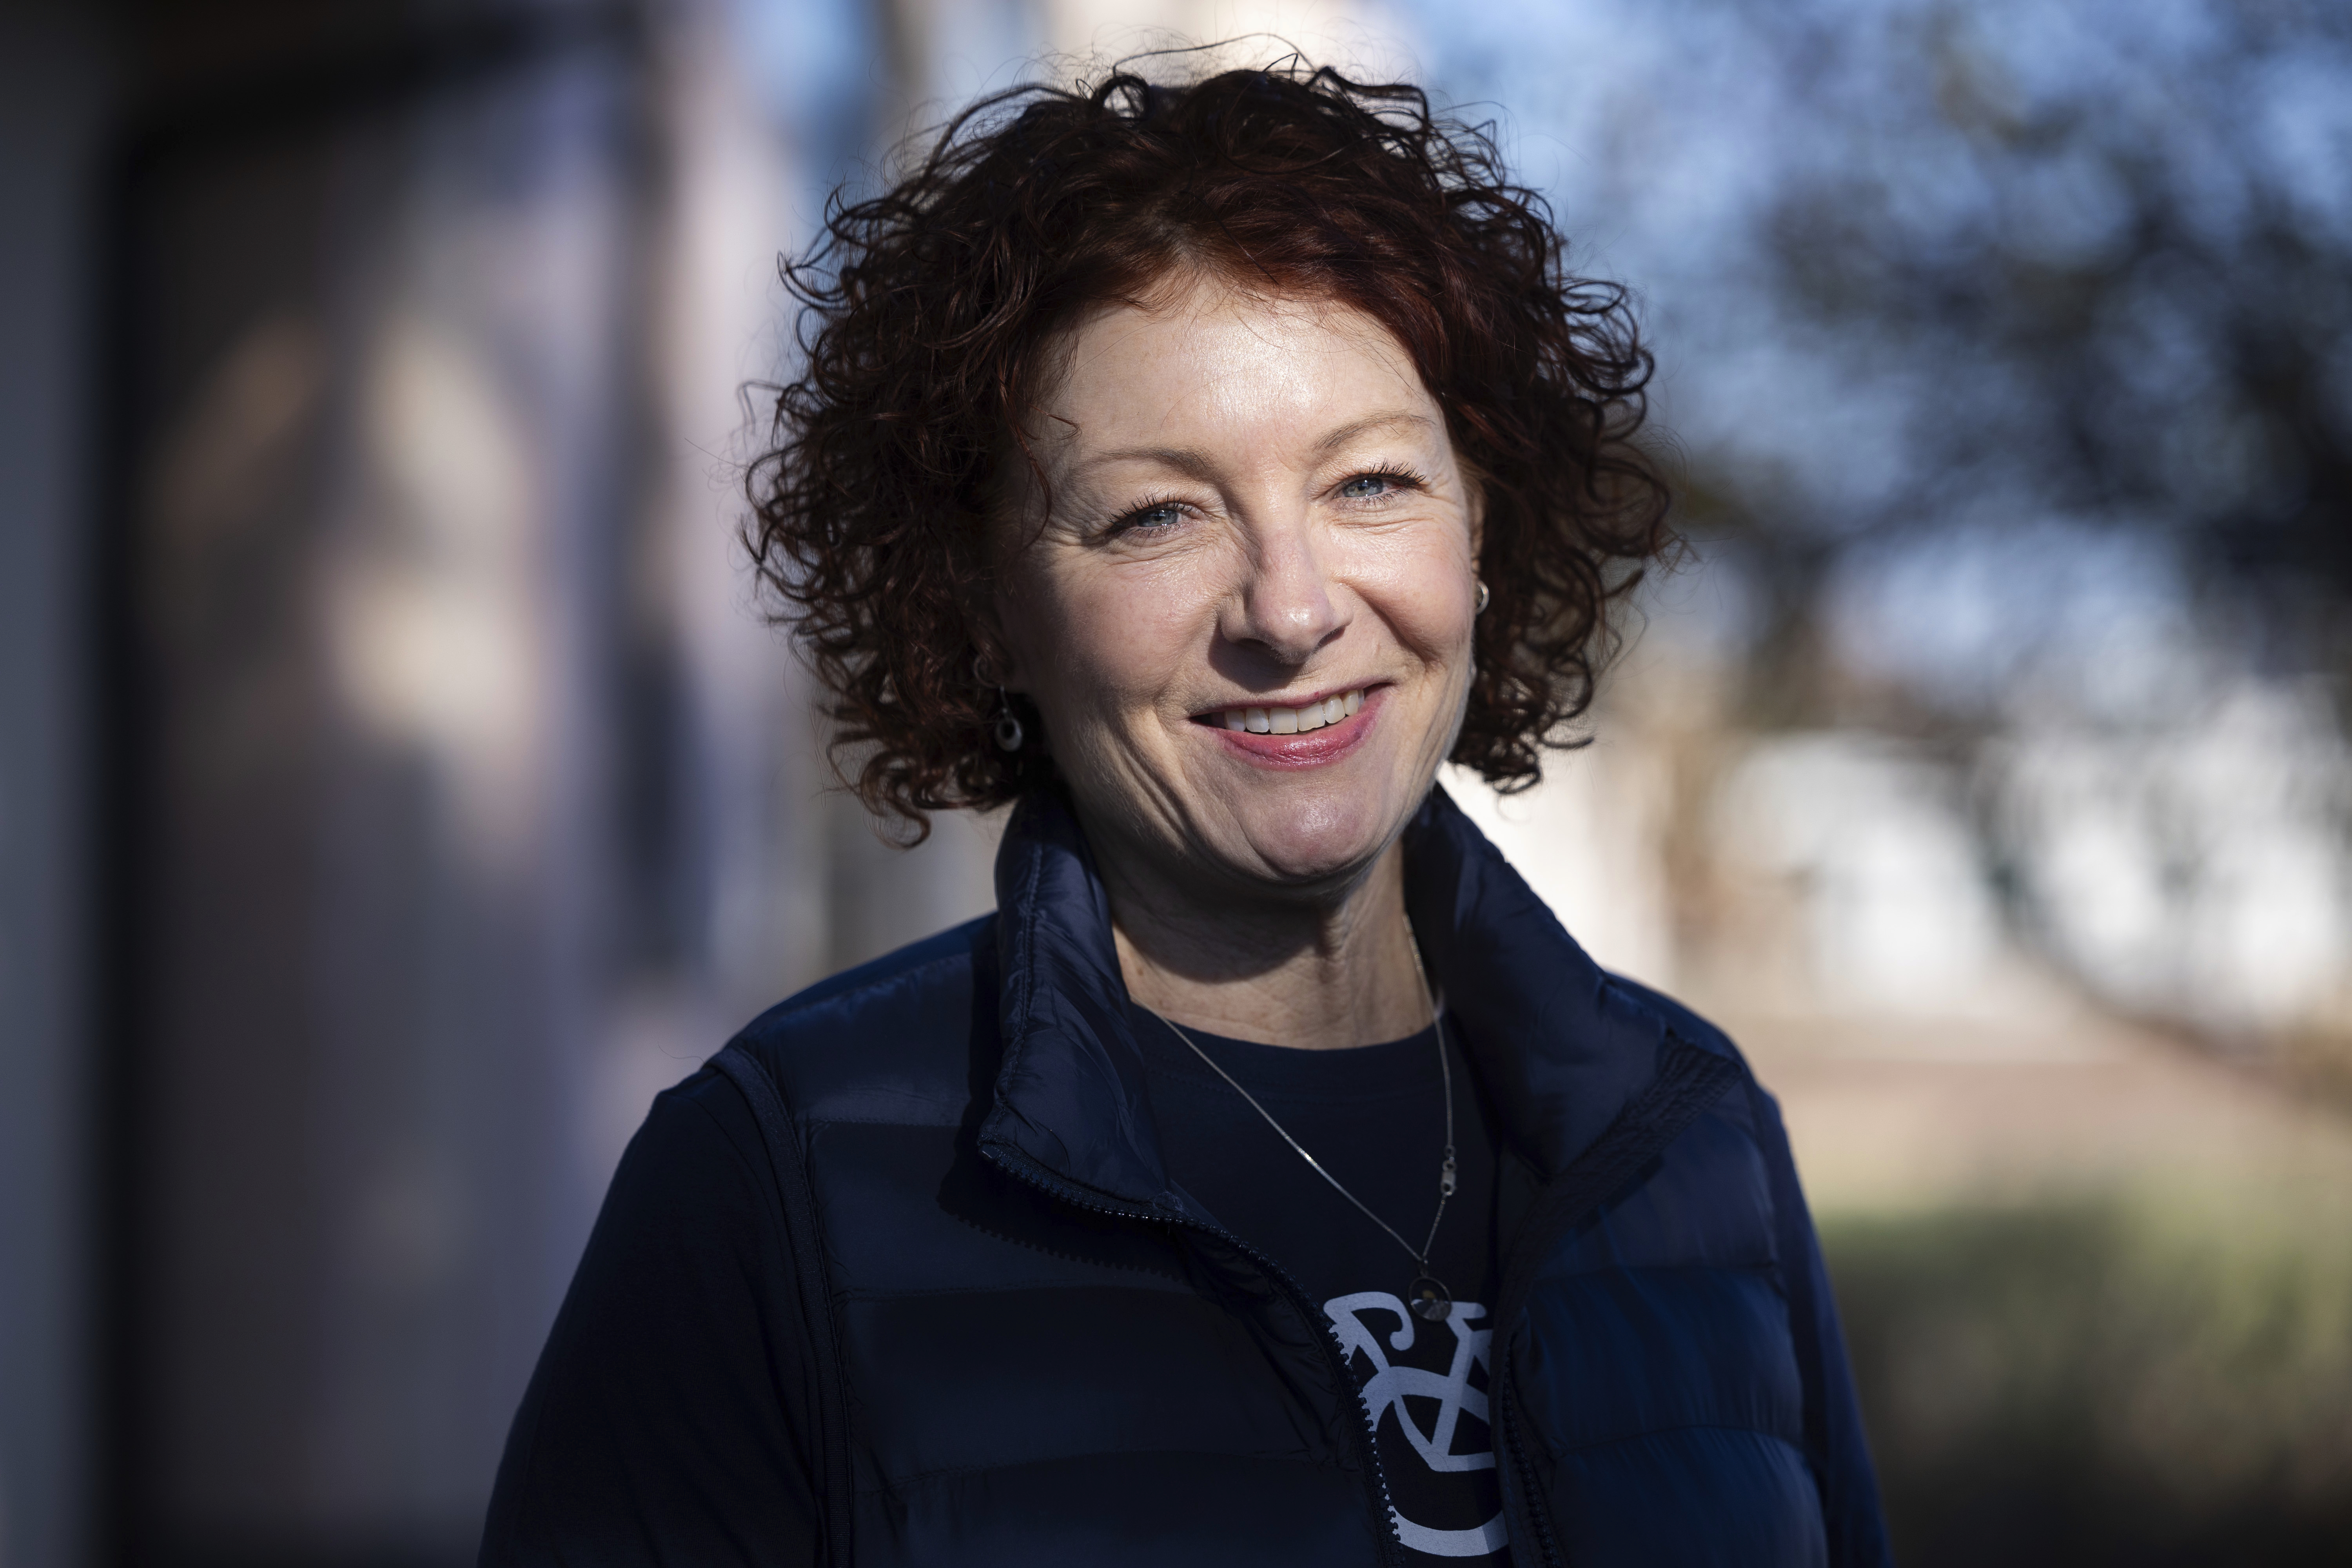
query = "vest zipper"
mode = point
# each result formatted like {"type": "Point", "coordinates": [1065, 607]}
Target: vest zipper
{"type": "Point", "coordinates": [1530, 1521]}
{"type": "Point", "coordinates": [1359, 1437]}
{"type": "Point", "coordinates": [1507, 1435]}
{"type": "Point", "coordinates": [1688, 1080]}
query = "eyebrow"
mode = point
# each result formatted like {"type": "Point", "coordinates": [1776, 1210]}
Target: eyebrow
{"type": "Point", "coordinates": [1195, 464]}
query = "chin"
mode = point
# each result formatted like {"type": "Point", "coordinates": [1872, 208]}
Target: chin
{"type": "Point", "coordinates": [1316, 841]}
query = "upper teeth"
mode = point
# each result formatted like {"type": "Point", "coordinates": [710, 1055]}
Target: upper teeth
{"type": "Point", "coordinates": [1293, 720]}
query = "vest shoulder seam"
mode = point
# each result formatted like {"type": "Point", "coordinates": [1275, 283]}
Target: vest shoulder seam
{"type": "Point", "coordinates": [792, 1007]}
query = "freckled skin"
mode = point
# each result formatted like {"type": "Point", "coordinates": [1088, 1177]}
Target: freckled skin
{"type": "Point", "coordinates": [1253, 502]}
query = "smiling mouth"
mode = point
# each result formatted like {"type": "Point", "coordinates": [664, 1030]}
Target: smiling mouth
{"type": "Point", "coordinates": [1270, 721]}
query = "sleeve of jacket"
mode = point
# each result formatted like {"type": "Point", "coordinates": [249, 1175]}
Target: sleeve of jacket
{"type": "Point", "coordinates": [667, 1422]}
{"type": "Point", "coordinates": [1834, 1441]}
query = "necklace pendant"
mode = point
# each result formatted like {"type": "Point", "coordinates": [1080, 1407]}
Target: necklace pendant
{"type": "Point", "coordinates": [1432, 1302]}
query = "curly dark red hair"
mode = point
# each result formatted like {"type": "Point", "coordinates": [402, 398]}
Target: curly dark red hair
{"type": "Point", "coordinates": [935, 306]}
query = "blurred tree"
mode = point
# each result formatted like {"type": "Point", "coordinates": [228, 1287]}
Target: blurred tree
{"type": "Point", "coordinates": [2100, 258]}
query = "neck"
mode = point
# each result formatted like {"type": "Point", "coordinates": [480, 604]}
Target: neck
{"type": "Point", "coordinates": [1319, 974]}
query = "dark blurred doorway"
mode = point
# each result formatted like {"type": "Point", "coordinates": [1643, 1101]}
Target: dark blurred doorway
{"type": "Point", "coordinates": [371, 318]}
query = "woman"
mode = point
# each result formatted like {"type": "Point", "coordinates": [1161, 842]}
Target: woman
{"type": "Point", "coordinates": [1197, 468]}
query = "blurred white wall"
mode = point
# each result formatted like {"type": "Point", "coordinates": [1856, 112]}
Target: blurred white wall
{"type": "Point", "coordinates": [1366, 36]}
{"type": "Point", "coordinates": [2199, 871]}
{"type": "Point", "coordinates": [1590, 840]}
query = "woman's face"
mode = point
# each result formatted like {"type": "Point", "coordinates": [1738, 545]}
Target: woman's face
{"type": "Point", "coordinates": [1246, 618]}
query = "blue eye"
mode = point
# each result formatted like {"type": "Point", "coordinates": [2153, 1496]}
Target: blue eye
{"type": "Point", "coordinates": [1365, 486]}
{"type": "Point", "coordinates": [1167, 514]}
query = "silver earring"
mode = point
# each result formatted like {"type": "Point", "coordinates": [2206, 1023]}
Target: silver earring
{"type": "Point", "coordinates": [1009, 734]}
{"type": "Point", "coordinates": [1483, 595]}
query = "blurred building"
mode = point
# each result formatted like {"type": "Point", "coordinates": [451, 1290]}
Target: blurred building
{"type": "Point", "coordinates": [401, 787]}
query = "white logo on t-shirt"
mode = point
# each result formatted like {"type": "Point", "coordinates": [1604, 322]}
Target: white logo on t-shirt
{"type": "Point", "coordinates": [1387, 1388]}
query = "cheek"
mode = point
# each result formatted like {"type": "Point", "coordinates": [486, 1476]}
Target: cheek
{"type": "Point", "coordinates": [1424, 596]}
{"type": "Point", "coordinates": [1098, 643]}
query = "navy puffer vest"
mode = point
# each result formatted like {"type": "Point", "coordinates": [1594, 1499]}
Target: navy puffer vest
{"type": "Point", "coordinates": [1027, 1345]}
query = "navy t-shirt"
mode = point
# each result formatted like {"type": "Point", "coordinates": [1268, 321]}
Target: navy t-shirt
{"type": "Point", "coordinates": [1375, 1117]}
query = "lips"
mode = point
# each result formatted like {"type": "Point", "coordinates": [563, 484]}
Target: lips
{"type": "Point", "coordinates": [1297, 735]}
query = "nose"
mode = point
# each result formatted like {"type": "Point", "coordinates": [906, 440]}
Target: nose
{"type": "Point", "coordinates": [1286, 605]}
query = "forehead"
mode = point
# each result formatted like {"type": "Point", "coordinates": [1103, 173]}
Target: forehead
{"type": "Point", "coordinates": [1207, 357]}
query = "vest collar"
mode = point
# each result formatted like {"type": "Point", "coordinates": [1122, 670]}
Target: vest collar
{"type": "Point", "coordinates": [1556, 1047]}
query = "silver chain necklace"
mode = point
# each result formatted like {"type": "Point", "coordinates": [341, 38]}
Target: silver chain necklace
{"type": "Point", "coordinates": [1429, 1298]}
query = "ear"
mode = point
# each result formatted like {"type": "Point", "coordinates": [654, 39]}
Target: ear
{"type": "Point", "coordinates": [1014, 633]}
{"type": "Point", "coordinates": [1474, 502]}
{"type": "Point", "coordinates": [994, 600]}
{"type": "Point", "coordinates": [993, 611]}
